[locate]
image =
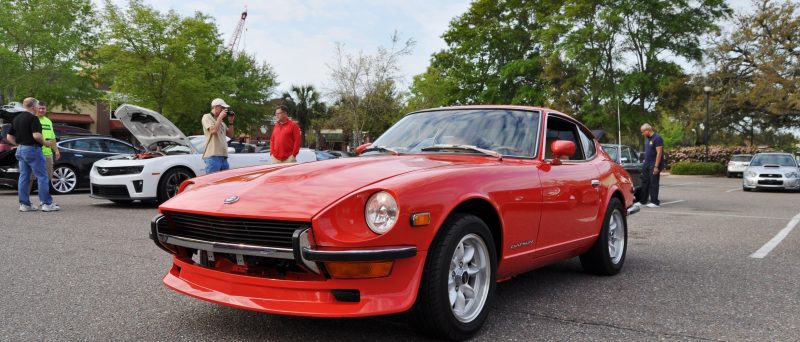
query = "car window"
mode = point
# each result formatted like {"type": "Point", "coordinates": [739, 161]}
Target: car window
{"type": "Point", "coordinates": [628, 156]}
{"type": "Point", "coordinates": [89, 145]}
{"type": "Point", "coordinates": [113, 146]}
{"type": "Point", "coordinates": [559, 129]}
{"type": "Point", "coordinates": [741, 158]}
{"type": "Point", "coordinates": [588, 144]}
{"type": "Point", "coordinates": [612, 152]}
{"type": "Point", "coordinates": [773, 159]}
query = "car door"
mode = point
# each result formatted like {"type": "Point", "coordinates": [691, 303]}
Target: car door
{"type": "Point", "coordinates": [82, 153]}
{"type": "Point", "coordinates": [570, 190]}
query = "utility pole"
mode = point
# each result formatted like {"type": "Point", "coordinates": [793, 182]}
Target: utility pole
{"type": "Point", "coordinates": [233, 43]}
{"type": "Point", "coordinates": [707, 90]}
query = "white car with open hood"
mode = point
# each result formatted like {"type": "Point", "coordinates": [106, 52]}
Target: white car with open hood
{"type": "Point", "coordinates": [170, 159]}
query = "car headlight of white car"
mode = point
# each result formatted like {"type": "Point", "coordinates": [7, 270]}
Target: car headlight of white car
{"type": "Point", "coordinates": [381, 212]}
{"type": "Point", "coordinates": [749, 174]}
{"type": "Point", "coordinates": [791, 175]}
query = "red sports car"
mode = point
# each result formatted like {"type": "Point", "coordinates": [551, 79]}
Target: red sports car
{"type": "Point", "coordinates": [427, 219]}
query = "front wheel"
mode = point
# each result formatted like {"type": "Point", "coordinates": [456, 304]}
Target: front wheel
{"type": "Point", "coordinates": [64, 180]}
{"type": "Point", "coordinates": [458, 282]}
{"type": "Point", "coordinates": [170, 181]}
{"type": "Point", "coordinates": [608, 253]}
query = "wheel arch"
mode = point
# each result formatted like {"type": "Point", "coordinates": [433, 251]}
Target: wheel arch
{"type": "Point", "coordinates": [488, 214]}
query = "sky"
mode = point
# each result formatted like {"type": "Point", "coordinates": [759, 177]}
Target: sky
{"type": "Point", "coordinates": [298, 37]}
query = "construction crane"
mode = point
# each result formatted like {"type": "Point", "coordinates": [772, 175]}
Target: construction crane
{"type": "Point", "coordinates": [233, 43]}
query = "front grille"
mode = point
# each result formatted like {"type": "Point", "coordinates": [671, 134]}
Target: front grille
{"type": "Point", "coordinates": [267, 233]}
{"type": "Point", "coordinates": [770, 175]}
{"type": "Point", "coordinates": [770, 182]}
{"type": "Point", "coordinates": [110, 191]}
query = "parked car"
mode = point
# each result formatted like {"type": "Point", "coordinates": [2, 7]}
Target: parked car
{"type": "Point", "coordinates": [338, 154]}
{"type": "Point", "coordinates": [629, 159]}
{"type": "Point", "coordinates": [62, 130]}
{"type": "Point", "coordinates": [424, 220]}
{"type": "Point", "coordinates": [170, 159]}
{"type": "Point", "coordinates": [771, 171]}
{"type": "Point", "coordinates": [71, 171]}
{"type": "Point", "coordinates": [738, 164]}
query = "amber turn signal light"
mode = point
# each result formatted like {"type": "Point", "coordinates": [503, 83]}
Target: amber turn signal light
{"type": "Point", "coordinates": [359, 270]}
{"type": "Point", "coordinates": [420, 219]}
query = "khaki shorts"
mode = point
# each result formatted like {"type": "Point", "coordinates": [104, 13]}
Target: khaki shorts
{"type": "Point", "coordinates": [288, 160]}
{"type": "Point", "coordinates": [48, 164]}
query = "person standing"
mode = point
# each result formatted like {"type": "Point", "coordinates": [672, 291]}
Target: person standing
{"type": "Point", "coordinates": [50, 149]}
{"type": "Point", "coordinates": [284, 143]}
{"type": "Point", "coordinates": [652, 166]}
{"type": "Point", "coordinates": [215, 153]}
{"type": "Point", "coordinates": [26, 131]}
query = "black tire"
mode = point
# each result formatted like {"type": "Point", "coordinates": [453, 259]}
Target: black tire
{"type": "Point", "coordinates": [65, 180]}
{"type": "Point", "coordinates": [169, 182]}
{"type": "Point", "coordinates": [746, 189]}
{"type": "Point", "coordinates": [433, 313]}
{"type": "Point", "coordinates": [599, 259]}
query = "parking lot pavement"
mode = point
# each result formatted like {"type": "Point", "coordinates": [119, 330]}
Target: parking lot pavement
{"type": "Point", "coordinates": [89, 272]}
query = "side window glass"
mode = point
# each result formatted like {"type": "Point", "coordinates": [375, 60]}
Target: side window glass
{"type": "Point", "coordinates": [118, 147]}
{"type": "Point", "coordinates": [589, 148]}
{"type": "Point", "coordinates": [68, 144]}
{"type": "Point", "coordinates": [89, 145]}
{"type": "Point", "coordinates": [626, 155]}
{"type": "Point", "coordinates": [558, 129]}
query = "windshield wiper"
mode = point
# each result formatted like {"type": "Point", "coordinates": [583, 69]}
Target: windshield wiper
{"type": "Point", "coordinates": [440, 147]}
{"type": "Point", "coordinates": [380, 149]}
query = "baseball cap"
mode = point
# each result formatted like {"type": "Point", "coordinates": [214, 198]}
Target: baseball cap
{"type": "Point", "coordinates": [219, 102]}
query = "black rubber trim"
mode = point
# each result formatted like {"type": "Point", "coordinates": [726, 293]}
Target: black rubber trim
{"type": "Point", "coordinates": [154, 232]}
{"type": "Point", "coordinates": [349, 296]}
{"type": "Point", "coordinates": [374, 254]}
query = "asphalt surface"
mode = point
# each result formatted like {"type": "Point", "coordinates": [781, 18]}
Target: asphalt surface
{"type": "Point", "coordinates": [89, 272]}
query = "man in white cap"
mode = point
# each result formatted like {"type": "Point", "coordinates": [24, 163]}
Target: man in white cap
{"type": "Point", "coordinates": [215, 153]}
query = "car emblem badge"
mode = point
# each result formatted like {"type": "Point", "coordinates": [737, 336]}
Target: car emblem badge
{"type": "Point", "coordinates": [231, 200]}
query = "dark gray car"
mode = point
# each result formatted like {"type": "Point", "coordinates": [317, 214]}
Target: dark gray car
{"type": "Point", "coordinates": [629, 160]}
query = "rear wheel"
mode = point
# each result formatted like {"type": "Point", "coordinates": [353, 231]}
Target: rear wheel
{"type": "Point", "coordinates": [170, 181]}
{"type": "Point", "coordinates": [458, 282]}
{"type": "Point", "coordinates": [64, 180]}
{"type": "Point", "coordinates": [608, 253]}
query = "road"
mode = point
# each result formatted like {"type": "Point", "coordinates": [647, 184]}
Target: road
{"type": "Point", "coordinates": [89, 272]}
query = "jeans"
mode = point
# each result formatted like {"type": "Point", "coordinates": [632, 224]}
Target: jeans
{"type": "Point", "coordinates": [31, 160]}
{"type": "Point", "coordinates": [650, 184]}
{"type": "Point", "coordinates": [216, 163]}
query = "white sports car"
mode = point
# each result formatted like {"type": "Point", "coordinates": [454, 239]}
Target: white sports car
{"type": "Point", "coordinates": [171, 158]}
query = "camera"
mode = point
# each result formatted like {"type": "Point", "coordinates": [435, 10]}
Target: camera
{"type": "Point", "coordinates": [230, 112]}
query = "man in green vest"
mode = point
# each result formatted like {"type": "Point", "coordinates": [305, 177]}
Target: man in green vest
{"type": "Point", "coordinates": [50, 149]}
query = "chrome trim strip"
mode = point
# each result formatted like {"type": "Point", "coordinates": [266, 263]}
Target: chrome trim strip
{"type": "Point", "coordinates": [230, 248]}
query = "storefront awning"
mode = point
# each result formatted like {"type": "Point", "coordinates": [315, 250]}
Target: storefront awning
{"type": "Point", "coordinates": [70, 118]}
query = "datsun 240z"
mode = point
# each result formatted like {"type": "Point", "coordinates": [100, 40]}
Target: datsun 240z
{"type": "Point", "coordinates": [428, 218]}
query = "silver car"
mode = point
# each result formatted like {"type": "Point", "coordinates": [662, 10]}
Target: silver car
{"type": "Point", "coordinates": [738, 164]}
{"type": "Point", "coordinates": [771, 171]}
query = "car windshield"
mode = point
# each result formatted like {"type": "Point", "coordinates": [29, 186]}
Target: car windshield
{"type": "Point", "coordinates": [744, 158]}
{"type": "Point", "coordinates": [506, 131]}
{"type": "Point", "coordinates": [612, 152]}
{"type": "Point", "coordinates": [773, 159]}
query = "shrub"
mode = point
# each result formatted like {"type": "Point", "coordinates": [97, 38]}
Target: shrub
{"type": "Point", "coordinates": [691, 168]}
{"type": "Point", "coordinates": [717, 153]}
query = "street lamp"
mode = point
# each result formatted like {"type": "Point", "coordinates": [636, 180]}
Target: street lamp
{"type": "Point", "coordinates": [707, 90]}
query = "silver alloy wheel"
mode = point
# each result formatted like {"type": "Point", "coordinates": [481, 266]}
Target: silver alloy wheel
{"type": "Point", "coordinates": [616, 236]}
{"type": "Point", "coordinates": [468, 280]}
{"type": "Point", "coordinates": [174, 180]}
{"type": "Point", "coordinates": [64, 179]}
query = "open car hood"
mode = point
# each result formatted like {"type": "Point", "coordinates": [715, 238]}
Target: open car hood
{"type": "Point", "coordinates": [149, 127]}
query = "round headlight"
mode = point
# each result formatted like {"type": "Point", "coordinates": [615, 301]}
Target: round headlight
{"type": "Point", "coordinates": [791, 175]}
{"type": "Point", "coordinates": [749, 174]}
{"type": "Point", "coordinates": [381, 212]}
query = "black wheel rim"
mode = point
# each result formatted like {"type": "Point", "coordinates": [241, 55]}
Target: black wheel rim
{"type": "Point", "coordinates": [174, 181]}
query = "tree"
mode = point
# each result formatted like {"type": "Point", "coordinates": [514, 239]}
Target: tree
{"type": "Point", "coordinates": [304, 101]}
{"type": "Point", "coordinates": [356, 76]}
{"type": "Point", "coordinates": [43, 48]}
{"type": "Point", "coordinates": [176, 65]}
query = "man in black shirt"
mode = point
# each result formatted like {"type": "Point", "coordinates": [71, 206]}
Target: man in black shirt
{"type": "Point", "coordinates": [26, 131]}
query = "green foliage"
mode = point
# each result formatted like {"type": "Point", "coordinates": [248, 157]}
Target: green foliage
{"type": "Point", "coordinates": [176, 66]}
{"type": "Point", "coordinates": [716, 153]}
{"type": "Point", "coordinates": [44, 49]}
{"type": "Point", "coordinates": [697, 168]}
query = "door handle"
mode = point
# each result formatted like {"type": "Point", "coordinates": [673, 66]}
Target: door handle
{"type": "Point", "coordinates": [595, 183]}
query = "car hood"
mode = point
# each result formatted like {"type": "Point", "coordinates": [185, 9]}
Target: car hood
{"type": "Point", "coordinates": [148, 126]}
{"type": "Point", "coordinates": [296, 192]}
{"type": "Point", "coordinates": [772, 169]}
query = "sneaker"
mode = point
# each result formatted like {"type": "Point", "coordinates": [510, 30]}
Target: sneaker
{"type": "Point", "coordinates": [649, 205]}
{"type": "Point", "coordinates": [50, 207]}
{"type": "Point", "coordinates": [637, 204]}
{"type": "Point", "coordinates": [25, 208]}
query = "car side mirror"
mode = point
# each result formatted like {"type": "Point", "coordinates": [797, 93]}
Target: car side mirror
{"type": "Point", "coordinates": [562, 149]}
{"type": "Point", "coordinates": [362, 147]}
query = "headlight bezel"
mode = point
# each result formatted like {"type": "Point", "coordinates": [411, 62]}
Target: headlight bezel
{"type": "Point", "coordinates": [792, 174]}
{"type": "Point", "coordinates": [381, 212]}
{"type": "Point", "coordinates": [750, 174]}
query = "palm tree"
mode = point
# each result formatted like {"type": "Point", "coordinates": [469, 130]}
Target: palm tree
{"type": "Point", "coordinates": [304, 101]}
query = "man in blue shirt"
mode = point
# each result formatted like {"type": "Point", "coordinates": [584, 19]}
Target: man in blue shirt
{"type": "Point", "coordinates": [652, 166]}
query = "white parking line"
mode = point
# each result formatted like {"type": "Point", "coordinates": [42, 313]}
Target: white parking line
{"type": "Point", "coordinates": [771, 244]}
{"type": "Point", "coordinates": [710, 214]}
{"type": "Point", "coordinates": [732, 190]}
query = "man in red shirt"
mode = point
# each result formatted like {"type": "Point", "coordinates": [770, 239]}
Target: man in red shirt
{"type": "Point", "coordinates": [284, 143]}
